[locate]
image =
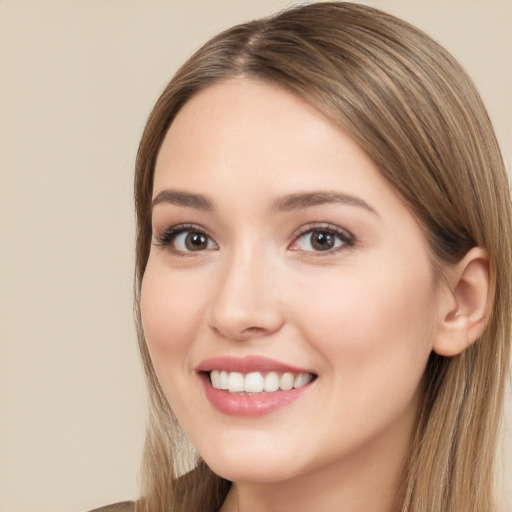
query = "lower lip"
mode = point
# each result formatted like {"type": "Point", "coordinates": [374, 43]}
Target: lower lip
{"type": "Point", "coordinates": [249, 405]}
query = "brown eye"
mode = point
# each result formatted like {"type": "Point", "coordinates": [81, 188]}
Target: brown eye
{"type": "Point", "coordinates": [322, 241]}
{"type": "Point", "coordinates": [179, 239]}
{"type": "Point", "coordinates": [195, 241]}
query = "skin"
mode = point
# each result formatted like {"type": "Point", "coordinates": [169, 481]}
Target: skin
{"type": "Point", "coordinates": [363, 317]}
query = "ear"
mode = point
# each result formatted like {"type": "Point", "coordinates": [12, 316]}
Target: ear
{"type": "Point", "coordinates": [465, 304]}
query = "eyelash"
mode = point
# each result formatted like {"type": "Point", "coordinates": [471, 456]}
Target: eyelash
{"type": "Point", "coordinates": [167, 237]}
{"type": "Point", "coordinates": [347, 239]}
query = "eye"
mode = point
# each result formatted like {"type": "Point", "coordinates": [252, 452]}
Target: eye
{"type": "Point", "coordinates": [183, 239]}
{"type": "Point", "coordinates": [326, 238]}
{"type": "Point", "coordinates": [192, 241]}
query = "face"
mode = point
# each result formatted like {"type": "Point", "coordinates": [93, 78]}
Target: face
{"type": "Point", "coordinates": [288, 303]}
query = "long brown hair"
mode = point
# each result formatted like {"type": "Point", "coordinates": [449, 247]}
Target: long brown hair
{"type": "Point", "coordinates": [416, 113]}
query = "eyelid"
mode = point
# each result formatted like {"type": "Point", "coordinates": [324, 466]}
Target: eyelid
{"type": "Point", "coordinates": [347, 238]}
{"type": "Point", "coordinates": [165, 238]}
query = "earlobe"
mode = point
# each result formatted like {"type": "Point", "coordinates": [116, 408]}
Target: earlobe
{"type": "Point", "coordinates": [463, 316]}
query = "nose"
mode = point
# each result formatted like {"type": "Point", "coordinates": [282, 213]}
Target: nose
{"type": "Point", "coordinates": [246, 303]}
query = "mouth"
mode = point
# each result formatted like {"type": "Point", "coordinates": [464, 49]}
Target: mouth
{"type": "Point", "coordinates": [252, 386]}
{"type": "Point", "coordinates": [258, 382]}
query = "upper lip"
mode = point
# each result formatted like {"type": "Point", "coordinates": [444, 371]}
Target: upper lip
{"type": "Point", "coordinates": [247, 364]}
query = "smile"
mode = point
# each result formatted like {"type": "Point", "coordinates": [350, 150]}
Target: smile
{"type": "Point", "coordinates": [258, 382]}
{"type": "Point", "coordinates": [252, 386]}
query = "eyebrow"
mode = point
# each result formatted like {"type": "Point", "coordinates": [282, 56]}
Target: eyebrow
{"type": "Point", "coordinates": [309, 199]}
{"type": "Point", "coordinates": [180, 198]}
{"type": "Point", "coordinates": [283, 204]}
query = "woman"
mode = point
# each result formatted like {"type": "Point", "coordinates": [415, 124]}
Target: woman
{"type": "Point", "coordinates": [323, 282]}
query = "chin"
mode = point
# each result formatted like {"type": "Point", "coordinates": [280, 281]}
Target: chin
{"type": "Point", "coordinates": [243, 467]}
{"type": "Point", "coordinates": [243, 473]}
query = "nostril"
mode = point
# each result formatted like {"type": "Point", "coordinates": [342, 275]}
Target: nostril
{"type": "Point", "coordinates": [239, 333]}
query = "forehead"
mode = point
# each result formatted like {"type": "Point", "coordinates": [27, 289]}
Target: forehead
{"type": "Point", "coordinates": [241, 111]}
{"type": "Point", "coordinates": [256, 130]}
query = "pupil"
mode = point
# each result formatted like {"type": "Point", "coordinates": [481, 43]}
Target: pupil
{"type": "Point", "coordinates": [195, 241]}
{"type": "Point", "coordinates": [322, 241]}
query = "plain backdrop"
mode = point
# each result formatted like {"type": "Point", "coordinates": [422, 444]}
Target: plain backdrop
{"type": "Point", "coordinates": [77, 80]}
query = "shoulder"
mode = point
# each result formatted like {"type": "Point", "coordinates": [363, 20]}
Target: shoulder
{"type": "Point", "coordinates": [124, 506]}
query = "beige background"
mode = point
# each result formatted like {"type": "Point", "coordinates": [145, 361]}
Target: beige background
{"type": "Point", "coordinates": [77, 80]}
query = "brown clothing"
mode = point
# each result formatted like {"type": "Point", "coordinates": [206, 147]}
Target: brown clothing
{"type": "Point", "coordinates": [124, 506]}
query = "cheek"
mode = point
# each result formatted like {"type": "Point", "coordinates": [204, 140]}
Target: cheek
{"type": "Point", "coordinates": [373, 327]}
{"type": "Point", "coordinates": [376, 343]}
{"type": "Point", "coordinates": [170, 315]}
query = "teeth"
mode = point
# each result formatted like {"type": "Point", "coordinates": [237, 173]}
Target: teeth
{"type": "Point", "coordinates": [256, 382]}
{"type": "Point", "coordinates": [215, 379]}
{"type": "Point", "coordinates": [301, 380]}
{"type": "Point", "coordinates": [223, 380]}
{"type": "Point", "coordinates": [271, 382]}
{"type": "Point", "coordinates": [236, 382]}
{"type": "Point", "coordinates": [286, 381]}
{"type": "Point", "coordinates": [220, 379]}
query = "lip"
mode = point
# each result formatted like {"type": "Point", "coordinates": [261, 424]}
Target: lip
{"type": "Point", "coordinates": [258, 404]}
{"type": "Point", "coordinates": [248, 364]}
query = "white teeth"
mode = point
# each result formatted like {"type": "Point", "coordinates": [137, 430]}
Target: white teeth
{"type": "Point", "coordinates": [286, 381]}
{"type": "Point", "coordinates": [215, 378]}
{"type": "Point", "coordinates": [271, 382]}
{"type": "Point", "coordinates": [256, 382]}
{"type": "Point", "coordinates": [302, 379]}
{"type": "Point", "coordinates": [235, 382]}
{"type": "Point", "coordinates": [224, 380]}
